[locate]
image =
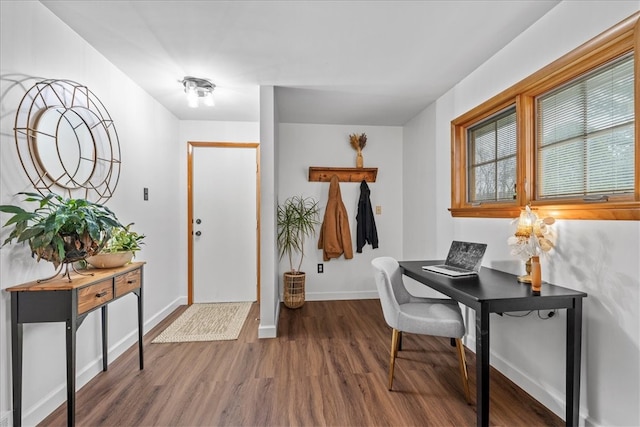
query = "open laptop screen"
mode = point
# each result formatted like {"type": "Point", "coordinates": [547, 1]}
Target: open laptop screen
{"type": "Point", "coordinates": [466, 255]}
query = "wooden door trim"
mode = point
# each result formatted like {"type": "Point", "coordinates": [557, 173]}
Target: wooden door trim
{"type": "Point", "coordinates": [190, 146]}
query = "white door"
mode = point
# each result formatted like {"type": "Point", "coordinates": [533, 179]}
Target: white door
{"type": "Point", "coordinates": [224, 224]}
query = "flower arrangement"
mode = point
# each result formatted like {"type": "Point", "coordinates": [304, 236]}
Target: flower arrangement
{"type": "Point", "coordinates": [533, 237]}
{"type": "Point", "coordinates": [358, 142]}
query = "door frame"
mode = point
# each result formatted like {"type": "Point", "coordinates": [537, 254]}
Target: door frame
{"type": "Point", "coordinates": [239, 145]}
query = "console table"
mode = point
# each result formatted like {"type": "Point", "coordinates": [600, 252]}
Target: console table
{"type": "Point", "coordinates": [59, 300]}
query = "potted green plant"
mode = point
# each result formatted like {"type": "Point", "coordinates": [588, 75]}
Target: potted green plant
{"type": "Point", "coordinates": [297, 219]}
{"type": "Point", "coordinates": [60, 230]}
{"type": "Point", "coordinates": [120, 249]}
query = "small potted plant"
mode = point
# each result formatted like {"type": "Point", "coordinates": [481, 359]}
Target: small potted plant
{"type": "Point", "coordinates": [61, 231]}
{"type": "Point", "coordinates": [297, 219]}
{"type": "Point", "coordinates": [120, 249]}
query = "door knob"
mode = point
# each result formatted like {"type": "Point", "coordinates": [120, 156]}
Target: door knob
{"type": "Point", "coordinates": [198, 233]}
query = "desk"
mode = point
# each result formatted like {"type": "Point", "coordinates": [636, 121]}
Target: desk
{"type": "Point", "coordinates": [62, 301]}
{"type": "Point", "coordinates": [495, 291]}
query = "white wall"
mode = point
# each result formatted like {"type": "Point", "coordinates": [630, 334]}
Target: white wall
{"type": "Point", "coordinates": [413, 189]}
{"type": "Point", "coordinates": [304, 145]}
{"type": "Point", "coordinates": [418, 157]}
{"type": "Point", "coordinates": [269, 299]}
{"type": "Point", "coordinates": [34, 44]}
{"type": "Point", "coordinates": [597, 257]}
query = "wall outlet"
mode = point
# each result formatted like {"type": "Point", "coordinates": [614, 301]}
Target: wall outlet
{"type": "Point", "coordinates": [320, 268]}
{"type": "Point", "coordinates": [378, 210]}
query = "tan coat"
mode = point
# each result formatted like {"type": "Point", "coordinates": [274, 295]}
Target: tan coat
{"type": "Point", "coordinates": [335, 235]}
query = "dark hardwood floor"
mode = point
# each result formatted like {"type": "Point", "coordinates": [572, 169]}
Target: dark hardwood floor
{"type": "Point", "coordinates": [328, 367]}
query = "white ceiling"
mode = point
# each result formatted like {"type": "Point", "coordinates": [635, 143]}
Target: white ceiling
{"type": "Point", "coordinates": [338, 62]}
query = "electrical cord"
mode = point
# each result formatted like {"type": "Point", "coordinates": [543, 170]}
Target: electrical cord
{"type": "Point", "coordinates": [519, 315]}
{"type": "Point", "coordinates": [548, 316]}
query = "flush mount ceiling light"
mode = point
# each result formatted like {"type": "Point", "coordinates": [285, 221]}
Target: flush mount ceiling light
{"type": "Point", "coordinates": [196, 88]}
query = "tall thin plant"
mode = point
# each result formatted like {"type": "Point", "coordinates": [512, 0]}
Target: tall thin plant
{"type": "Point", "coordinates": [297, 219]}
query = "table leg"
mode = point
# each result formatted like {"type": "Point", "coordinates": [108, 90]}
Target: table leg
{"type": "Point", "coordinates": [140, 332]}
{"type": "Point", "coordinates": [105, 361]}
{"type": "Point", "coordinates": [574, 351]}
{"type": "Point", "coordinates": [71, 371]}
{"type": "Point", "coordinates": [16, 361]}
{"type": "Point", "coordinates": [482, 366]}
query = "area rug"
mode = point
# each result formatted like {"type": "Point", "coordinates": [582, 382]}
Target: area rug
{"type": "Point", "coordinates": [207, 322]}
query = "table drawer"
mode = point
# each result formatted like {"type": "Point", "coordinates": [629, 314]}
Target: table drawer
{"type": "Point", "coordinates": [95, 295]}
{"type": "Point", "coordinates": [128, 282]}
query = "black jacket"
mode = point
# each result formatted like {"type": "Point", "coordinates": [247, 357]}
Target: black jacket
{"type": "Point", "coordinates": [366, 229]}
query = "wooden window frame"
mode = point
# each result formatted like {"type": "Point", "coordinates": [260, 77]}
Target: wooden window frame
{"type": "Point", "coordinates": [614, 42]}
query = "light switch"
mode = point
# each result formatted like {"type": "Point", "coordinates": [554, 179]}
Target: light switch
{"type": "Point", "coordinates": [378, 210]}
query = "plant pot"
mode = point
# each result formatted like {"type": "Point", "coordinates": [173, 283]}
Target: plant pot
{"type": "Point", "coordinates": [76, 247]}
{"type": "Point", "coordinates": [110, 259]}
{"type": "Point", "coordinates": [294, 289]}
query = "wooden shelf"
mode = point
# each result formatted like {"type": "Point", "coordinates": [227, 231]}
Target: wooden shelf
{"type": "Point", "coordinates": [322, 174]}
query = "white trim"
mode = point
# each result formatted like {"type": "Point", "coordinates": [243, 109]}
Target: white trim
{"type": "Point", "coordinates": [270, 331]}
{"type": "Point", "coordinates": [551, 398]}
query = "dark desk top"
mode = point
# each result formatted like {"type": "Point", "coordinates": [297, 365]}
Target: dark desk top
{"type": "Point", "coordinates": [498, 290]}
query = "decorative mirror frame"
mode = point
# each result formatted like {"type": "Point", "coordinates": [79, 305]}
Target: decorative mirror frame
{"type": "Point", "coordinates": [66, 140]}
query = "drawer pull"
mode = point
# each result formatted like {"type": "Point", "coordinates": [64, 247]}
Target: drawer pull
{"type": "Point", "coordinates": [131, 281]}
{"type": "Point", "coordinates": [101, 294]}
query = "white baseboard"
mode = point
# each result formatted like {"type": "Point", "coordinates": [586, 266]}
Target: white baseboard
{"type": "Point", "coordinates": [551, 398]}
{"type": "Point", "coordinates": [270, 331]}
{"type": "Point", "coordinates": [38, 412]}
{"type": "Point", "coordinates": [162, 314]}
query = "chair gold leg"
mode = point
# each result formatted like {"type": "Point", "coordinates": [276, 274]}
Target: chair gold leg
{"type": "Point", "coordinates": [463, 370]}
{"type": "Point", "coordinates": [394, 352]}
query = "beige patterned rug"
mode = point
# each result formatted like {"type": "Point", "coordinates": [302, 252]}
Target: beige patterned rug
{"type": "Point", "coordinates": [207, 322]}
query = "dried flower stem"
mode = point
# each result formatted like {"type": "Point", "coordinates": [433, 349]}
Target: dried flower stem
{"type": "Point", "coordinates": [358, 142]}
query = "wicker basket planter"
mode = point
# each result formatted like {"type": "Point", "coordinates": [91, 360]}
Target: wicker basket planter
{"type": "Point", "coordinates": [294, 289]}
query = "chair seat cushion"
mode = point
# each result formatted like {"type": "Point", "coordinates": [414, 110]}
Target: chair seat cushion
{"type": "Point", "coordinates": [442, 319]}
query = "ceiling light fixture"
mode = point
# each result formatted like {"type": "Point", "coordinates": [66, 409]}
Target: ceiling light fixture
{"type": "Point", "coordinates": [196, 88]}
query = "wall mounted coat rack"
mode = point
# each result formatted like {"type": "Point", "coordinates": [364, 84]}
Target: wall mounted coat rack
{"type": "Point", "coordinates": [323, 174]}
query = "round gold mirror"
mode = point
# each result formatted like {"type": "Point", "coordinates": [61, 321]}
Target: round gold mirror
{"type": "Point", "coordinates": [67, 141]}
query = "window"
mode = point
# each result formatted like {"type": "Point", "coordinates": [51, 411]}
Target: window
{"type": "Point", "coordinates": [585, 135]}
{"type": "Point", "coordinates": [564, 140]}
{"type": "Point", "coordinates": [492, 158]}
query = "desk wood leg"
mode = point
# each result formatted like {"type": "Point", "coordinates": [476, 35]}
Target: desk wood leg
{"type": "Point", "coordinates": [574, 352]}
{"type": "Point", "coordinates": [482, 366]}
{"type": "Point", "coordinates": [16, 361]}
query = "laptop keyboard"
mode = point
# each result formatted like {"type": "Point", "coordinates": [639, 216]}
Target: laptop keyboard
{"type": "Point", "coordinates": [457, 269]}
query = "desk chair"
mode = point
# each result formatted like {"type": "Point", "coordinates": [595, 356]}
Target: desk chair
{"type": "Point", "coordinates": [427, 316]}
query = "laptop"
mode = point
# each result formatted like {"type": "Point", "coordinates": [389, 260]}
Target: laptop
{"type": "Point", "coordinates": [463, 259]}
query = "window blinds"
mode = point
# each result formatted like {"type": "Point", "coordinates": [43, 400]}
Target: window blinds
{"type": "Point", "coordinates": [585, 134]}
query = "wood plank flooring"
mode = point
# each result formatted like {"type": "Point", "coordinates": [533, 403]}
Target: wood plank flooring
{"type": "Point", "coordinates": [328, 367]}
